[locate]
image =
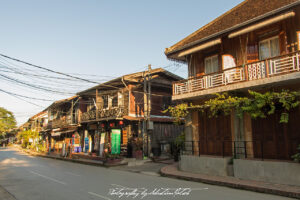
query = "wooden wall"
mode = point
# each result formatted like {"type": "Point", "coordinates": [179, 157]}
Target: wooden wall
{"type": "Point", "coordinates": [245, 49]}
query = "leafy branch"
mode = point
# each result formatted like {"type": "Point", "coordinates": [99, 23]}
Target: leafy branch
{"type": "Point", "coordinates": [258, 105]}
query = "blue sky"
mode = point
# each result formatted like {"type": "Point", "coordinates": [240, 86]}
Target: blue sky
{"type": "Point", "coordinates": [104, 38]}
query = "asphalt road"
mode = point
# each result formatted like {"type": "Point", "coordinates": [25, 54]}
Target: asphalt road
{"type": "Point", "coordinates": [35, 178]}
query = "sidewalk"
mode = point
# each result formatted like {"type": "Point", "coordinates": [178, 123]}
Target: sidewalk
{"type": "Point", "coordinates": [143, 167]}
{"type": "Point", "coordinates": [256, 186]}
{"type": "Point", "coordinates": [77, 160]}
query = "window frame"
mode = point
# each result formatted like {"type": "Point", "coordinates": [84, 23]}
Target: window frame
{"type": "Point", "coordinates": [105, 98]}
{"type": "Point", "coordinates": [269, 46]}
{"type": "Point", "coordinates": [115, 97]}
{"type": "Point", "coordinates": [211, 58]}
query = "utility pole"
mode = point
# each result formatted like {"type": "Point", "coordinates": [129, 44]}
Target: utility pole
{"type": "Point", "coordinates": [147, 111]}
{"type": "Point", "coordinates": [144, 135]}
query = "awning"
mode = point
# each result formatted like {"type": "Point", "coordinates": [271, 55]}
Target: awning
{"type": "Point", "coordinates": [55, 134]}
{"type": "Point", "coordinates": [262, 24]}
{"type": "Point", "coordinates": [200, 47]}
{"type": "Point", "coordinates": [62, 132]}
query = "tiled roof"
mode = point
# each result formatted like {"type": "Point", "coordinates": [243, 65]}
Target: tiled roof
{"type": "Point", "coordinates": [243, 12]}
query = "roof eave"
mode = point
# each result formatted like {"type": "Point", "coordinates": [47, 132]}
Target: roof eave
{"type": "Point", "coordinates": [226, 31]}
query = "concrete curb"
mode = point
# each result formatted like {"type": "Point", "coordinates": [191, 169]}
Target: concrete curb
{"type": "Point", "coordinates": [276, 189]}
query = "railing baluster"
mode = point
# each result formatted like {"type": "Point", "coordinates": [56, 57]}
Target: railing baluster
{"type": "Point", "coordinates": [297, 56]}
{"type": "Point", "coordinates": [252, 71]}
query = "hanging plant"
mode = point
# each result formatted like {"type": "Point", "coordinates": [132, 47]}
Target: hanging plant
{"type": "Point", "coordinates": [258, 105]}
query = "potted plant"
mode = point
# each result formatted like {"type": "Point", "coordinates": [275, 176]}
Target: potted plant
{"type": "Point", "coordinates": [137, 148]}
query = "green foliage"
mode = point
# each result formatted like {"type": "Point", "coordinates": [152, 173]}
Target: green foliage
{"type": "Point", "coordinates": [178, 112]}
{"type": "Point", "coordinates": [223, 104]}
{"type": "Point", "coordinates": [7, 121]}
{"type": "Point", "coordinates": [261, 105]}
{"type": "Point", "coordinates": [179, 140]}
{"type": "Point", "coordinates": [25, 137]}
{"type": "Point", "coordinates": [258, 105]}
{"type": "Point", "coordinates": [296, 157]}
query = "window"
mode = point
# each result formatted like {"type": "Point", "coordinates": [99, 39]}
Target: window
{"type": "Point", "coordinates": [115, 101]}
{"type": "Point", "coordinates": [191, 67]}
{"type": "Point", "coordinates": [166, 102]}
{"type": "Point", "coordinates": [105, 101]}
{"type": "Point", "coordinates": [211, 64]}
{"type": "Point", "coordinates": [269, 48]}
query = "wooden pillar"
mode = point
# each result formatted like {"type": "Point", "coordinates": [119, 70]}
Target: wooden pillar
{"type": "Point", "coordinates": [195, 132]}
{"type": "Point", "coordinates": [232, 124]}
{"type": "Point", "coordinates": [248, 136]}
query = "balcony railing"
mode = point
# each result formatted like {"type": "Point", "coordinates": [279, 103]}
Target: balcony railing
{"type": "Point", "coordinates": [284, 64]}
{"type": "Point", "coordinates": [116, 112]}
{"type": "Point", "coordinates": [61, 123]}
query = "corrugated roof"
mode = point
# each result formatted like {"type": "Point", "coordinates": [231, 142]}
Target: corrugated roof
{"type": "Point", "coordinates": [109, 84]}
{"type": "Point", "coordinates": [243, 12]}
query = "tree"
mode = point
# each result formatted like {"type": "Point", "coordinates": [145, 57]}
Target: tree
{"type": "Point", "coordinates": [7, 121]}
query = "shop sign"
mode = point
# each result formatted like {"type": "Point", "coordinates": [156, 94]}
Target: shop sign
{"type": "Point", "coordinates": [115, 141]}
{"type": "Point", "coordinates": [86, 144]}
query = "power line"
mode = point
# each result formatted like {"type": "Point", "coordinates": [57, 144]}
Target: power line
{"type": "Point", "coordinates": [25, 100]}
{"type": "Point", "coordinates": [50, 70]}
{"type": "Point", "coordinates": [11, 93]}
{"type": "Point", "coordinates": [33, 86]}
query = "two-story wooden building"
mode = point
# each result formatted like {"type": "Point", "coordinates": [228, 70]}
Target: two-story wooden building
{"type": "Point", "coordinates": [63, 124]}
{"type": "Point", "coordinates": [255, 45]}
{"type": "Point", "coordinates": [114, 115]}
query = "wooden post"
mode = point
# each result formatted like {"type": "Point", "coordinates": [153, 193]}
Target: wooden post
{"type": "Point", "coordinates": [72, 106]}
{"type": "Point", "coordinates": [144, 133]}
{"type": "Point", "coordinates": [267, 68]}
{"type": "Point", "coordinates": [149, 110]}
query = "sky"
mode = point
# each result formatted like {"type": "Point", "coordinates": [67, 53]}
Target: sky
{"type": "Point", "coordinates": [94, 39]}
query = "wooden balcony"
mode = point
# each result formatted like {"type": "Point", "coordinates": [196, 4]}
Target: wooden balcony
{"type": "Point", "coordinates": [61, 123]}
{"type": "Point", "coordinates": [265, 69]}
{"type": "Point", "coordinates": [111, 113]}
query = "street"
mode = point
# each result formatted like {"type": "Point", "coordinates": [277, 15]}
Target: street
{"type": "Point", "coordinates": [29, 178]}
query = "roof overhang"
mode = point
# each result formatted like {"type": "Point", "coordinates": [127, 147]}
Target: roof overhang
{"type": "Point", "coordinates": [200, 47]}
{"type": "Point", "coordinates": [262, 24]}
{"type": "Point", "coordinates": [173, 54]}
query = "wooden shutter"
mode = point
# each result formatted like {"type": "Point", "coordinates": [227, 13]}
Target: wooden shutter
{"type": "Point", "coordinates": [282, 43]}
{"type": "Point", "coordinates": [252, 53]}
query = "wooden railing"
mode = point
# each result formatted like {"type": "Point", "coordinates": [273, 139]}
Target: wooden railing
{"type": "Point", "coordinates": [116, 112]}
{"type": "Point", "coordinates": [61, 123]}
{"type": "Point", "coordinates": [288, 63]}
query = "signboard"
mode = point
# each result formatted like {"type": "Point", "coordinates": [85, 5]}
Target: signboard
{"type": "Point", "coordinates": [55, 134]}
{"type": "Point", "coordinates": [76, 142]}
{"type": "Point", "coordinates": [86, 144]}
{"type": "Point", "coordinates": [115, 141]}
{"type": "Point", "coordinates": [102, 141]}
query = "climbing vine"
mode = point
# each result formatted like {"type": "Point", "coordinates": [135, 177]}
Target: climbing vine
{"type": "Point", "coordinates": [258, 105]}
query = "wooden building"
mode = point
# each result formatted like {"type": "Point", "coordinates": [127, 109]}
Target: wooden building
{"type": "Point", "coordinates": [255, 45]}
{"type": "Point", "coordinates": [62, 125]}
{"type": "Point", "coordinates": [113, 114]}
